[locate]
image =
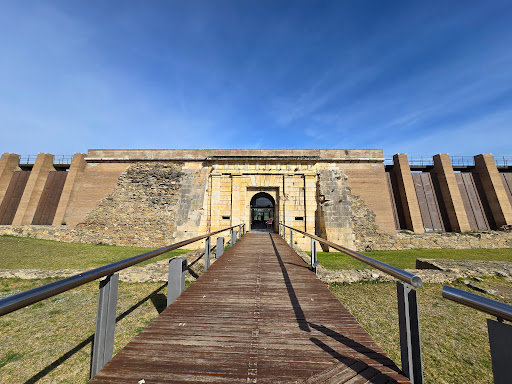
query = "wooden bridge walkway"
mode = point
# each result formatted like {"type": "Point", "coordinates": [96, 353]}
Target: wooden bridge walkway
{"type": "Point", "coordinates": [258, 315]}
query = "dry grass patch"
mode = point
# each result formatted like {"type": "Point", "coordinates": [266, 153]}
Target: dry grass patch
{"type": "Point", "coordinates": [50, 341]}
{"type": "Point", "coordinates": [454, 337]}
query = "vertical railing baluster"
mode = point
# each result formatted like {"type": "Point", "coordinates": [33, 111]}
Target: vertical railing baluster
{"type": "Point", "coordinates": [176, 280]}
{"type": "Point", "coordinates": [500, 339]}
{"type": "Point", "coordinates": [219, 249]}
{"type": "Point", "coordinates": [314, 261]}
{"type": "Point", "coordinates": [291, 238]}
{"type": "Point", "coordinates": [103, 345]}
{"type": "Point", "coordinates": [207, 254]}
{"type": "Point", "coordinates": [408, 321]}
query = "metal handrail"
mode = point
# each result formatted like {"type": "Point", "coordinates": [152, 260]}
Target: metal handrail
{"type": "Point", "coordinates": [490, 306]}
{"type": "Point", "coordinates": [398, 273]}
{"type": "Point", "coordinates": [12, 303]}
{"type": "Point", "coordinates": [57, 159]}
{"type": "Point", "coordinates": [503, 161]}
{"type": "Point", "coordinates": [457, 161]}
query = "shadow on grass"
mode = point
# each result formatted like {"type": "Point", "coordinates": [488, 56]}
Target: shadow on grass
{"type": "Point", "coordinates": [159, 300]}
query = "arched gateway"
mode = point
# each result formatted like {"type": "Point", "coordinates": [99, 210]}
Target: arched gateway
{"type": "Point", "coordinates": [262, 211]}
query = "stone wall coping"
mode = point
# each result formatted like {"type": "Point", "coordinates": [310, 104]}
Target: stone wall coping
{"type": "Point", "coordinates": [203, 154]}
{"type": "Point", "coordinates": [244, 158]}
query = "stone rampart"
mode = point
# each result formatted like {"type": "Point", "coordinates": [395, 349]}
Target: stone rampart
{"type": "Point", "coordinates": [348, 196]}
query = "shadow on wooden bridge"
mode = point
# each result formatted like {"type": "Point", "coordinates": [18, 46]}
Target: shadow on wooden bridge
{"type": "Point", "coordinates": [258, 315]}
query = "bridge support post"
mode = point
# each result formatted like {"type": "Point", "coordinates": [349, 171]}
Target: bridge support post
{"type": "Point", "coordinates": [408, 321]}
{"type": "Point", "coordinates": [314, 261]}
{"type": "Point", "coordinates": [239, 232]}
{"type": "Point", "coordinates": [103, 345]}
{"type": "Point", "coordinates": [219, 249]}
{"type": "Point", "coordinates": [207, 254]}
{"type": "Point", "coordinates": [234, 235]}
{"type": "Point", "coordinates": [291, 238]}
{"type": "Point", "coordinates": [176, 280]}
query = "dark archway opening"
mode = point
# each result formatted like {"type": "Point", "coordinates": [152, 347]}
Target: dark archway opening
{"type": "Point", "coordinates": [262, 211]}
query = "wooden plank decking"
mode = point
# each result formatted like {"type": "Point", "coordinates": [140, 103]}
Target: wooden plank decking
{"type": "Point", "coordinates": [258, 315]}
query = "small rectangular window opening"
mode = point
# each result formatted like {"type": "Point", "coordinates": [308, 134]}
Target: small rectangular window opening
{"type": "Point", "coordinates": [299, 218]}
{"type": "Point", "coordinates": [225, 217]}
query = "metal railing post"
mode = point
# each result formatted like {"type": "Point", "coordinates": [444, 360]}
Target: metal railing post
{"type": "Point", "coordinates": [103, 345]}
{"type": "Point", "coordinates": [500, 334]}
{"type": "Point", "coordinates": [231, 236]}
{"type": "Point", "coordinates": [500, 339]}
{"type": "Point", "coordinates": [176, 281]}
{"type": "Point", "coordinates": [408, 322]}
{"type": "Point", "coordinates": [314, 261]}
{"type": "Point", "coordinates": [219, 249]}
{"type": "Point", "coordinates": [235, 235]}
{"type": "Point", "coordinates": [207, 254]}
{"type": "Point", "coordinates": [239, 232]}
{"type": "Point", "coordinates": [291, 238]}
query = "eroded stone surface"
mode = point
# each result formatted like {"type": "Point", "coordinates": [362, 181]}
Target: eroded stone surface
{"type": "Point", "coordinates": [141, 209]}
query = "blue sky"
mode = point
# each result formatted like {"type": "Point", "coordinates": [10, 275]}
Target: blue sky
{"type": "Point", "coordinates": [405, 76]}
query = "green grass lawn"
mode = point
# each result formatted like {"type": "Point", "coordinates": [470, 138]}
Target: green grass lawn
{"type": "Point", "coordinates": [50, 341]}
{"type": "Point", "coordinates": [407, 258]}
{"type": "Point", "coordinates": [27, 253]}
{"type": "Point", "coordinates": [56, 347]}
{"type": "Point", "coordinates": [455, 344]}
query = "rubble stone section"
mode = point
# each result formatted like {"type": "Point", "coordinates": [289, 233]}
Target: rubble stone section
{"type": "Point", "coordinates": [141, 209]}
{"type": "Point", "coordinates": [190, 205]}
{"type": "Point", "coordinates": [344, 218]}
{"type": "Point", "coordinates": [335, 207]}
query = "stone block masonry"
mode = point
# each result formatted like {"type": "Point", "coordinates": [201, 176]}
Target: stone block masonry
{"type": "Point", "coordinates": [494, 189]}
{"type": "Point", "coordinates": [34, 189]}
{"type": "Point", "coordinates": [8, 165]}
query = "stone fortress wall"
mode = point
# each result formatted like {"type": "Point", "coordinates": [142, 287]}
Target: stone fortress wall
{"type": "Point", "coordinates": [348, 196]}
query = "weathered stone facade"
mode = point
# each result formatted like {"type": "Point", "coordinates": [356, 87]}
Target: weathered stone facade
{"type": "Point", "coordinates": [348, 196]}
